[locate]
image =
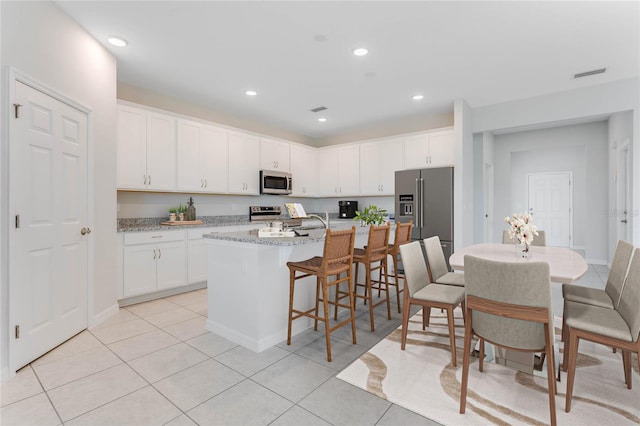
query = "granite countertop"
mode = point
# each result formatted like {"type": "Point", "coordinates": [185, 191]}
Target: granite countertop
{"type": "Point", "coordinates": [315, 235]}
{"type": "Point", "coordinates": [154, 223]}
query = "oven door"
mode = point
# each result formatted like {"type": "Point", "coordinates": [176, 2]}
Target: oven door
{"type": "Point", "coordinates": [272, 182]}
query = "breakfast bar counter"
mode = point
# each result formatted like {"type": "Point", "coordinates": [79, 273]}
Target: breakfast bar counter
{"type": "Point", "coordinates": [248, 284]}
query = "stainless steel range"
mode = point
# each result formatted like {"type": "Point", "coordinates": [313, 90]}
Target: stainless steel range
{"type": "Point", "coordinates": [271, 214]}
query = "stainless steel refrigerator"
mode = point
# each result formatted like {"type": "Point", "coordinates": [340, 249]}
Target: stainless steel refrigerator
{"type": "Point", "coordinates": [426, 197]}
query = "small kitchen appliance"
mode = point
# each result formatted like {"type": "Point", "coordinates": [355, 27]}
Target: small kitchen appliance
{"type": "Point", "coordinates": [274, 182]}
{"type": "Point", "coordinates": [347, 209]}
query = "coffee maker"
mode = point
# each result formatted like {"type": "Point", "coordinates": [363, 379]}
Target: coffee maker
{"type": "Point", "coordinates": [347, 209]}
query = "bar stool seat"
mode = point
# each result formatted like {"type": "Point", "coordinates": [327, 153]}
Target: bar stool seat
{"type": "Point", "coordinates": [331, 269]}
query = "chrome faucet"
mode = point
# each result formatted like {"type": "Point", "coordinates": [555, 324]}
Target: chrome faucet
{"type": "Point", "coordinates": [325, 221]}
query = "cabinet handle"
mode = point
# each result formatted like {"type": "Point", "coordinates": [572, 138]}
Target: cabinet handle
{"type": "Point", "coordinates": [206, 183]}
{"type": "Point", "coordinates": [145, 179]}
{"type": "Point", "coordinates": [201, 183]}
{"type": "Point", "coordinates": [381, 188]}
{"type": "Point", "coordinates": [154, 254]}
{"type": "Point", "coordinates": [159, 253]}
{"type": "Point", "coordinates": [149, 179]}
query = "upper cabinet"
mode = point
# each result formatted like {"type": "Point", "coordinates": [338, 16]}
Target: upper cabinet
{"type": "Point", "coordinates": [378, 164]}
{"type": "Point", "coordinates": [303, 170]}
{"type": "Point", "coordinates": [244, 163]}
{"type": "Point", "coordinates": [274, 155]}
{"type": "Point", "coordinates": [146, 150]}
{"type": "Point", "coordinates": [435, 149]}
{"type": "Point", "coordinates": [203, 153]}
{"type": "Point", "coordinates": [339, 171]}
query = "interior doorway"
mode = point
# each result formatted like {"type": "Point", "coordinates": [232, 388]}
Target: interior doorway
{"type": "Point", "coordinates": [49, 205]}
{"type": "Point", "coordinates": [550, 200]}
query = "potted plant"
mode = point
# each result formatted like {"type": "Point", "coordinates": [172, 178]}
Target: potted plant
{"type": "Point", "coordinates": [371, 214]}
{"type": "Point", "coordinates": [172, 214]}
{"type": "Point", "coordinates": [181, 211]}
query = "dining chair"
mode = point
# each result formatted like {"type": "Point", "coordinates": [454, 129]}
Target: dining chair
{"type": "Point", "coordinates": [438, 270]}
{"type": "Point", "coordinates": [374, 258]}
{"type": "Point", "coordinates": [619, 327]}
{"type": "Point", "coordinates": [508, 304]}
{"type": "Point", "coordinates": [420, 291]}
{"type": "Point", "coordinates": [336, 260]}
{"type": "Point", "coordinates": [402, 236]}
{"type": "Point", "coordinates": [538, 240]}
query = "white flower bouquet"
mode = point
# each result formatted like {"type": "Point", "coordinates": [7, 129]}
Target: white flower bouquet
{"type": "Point", "coordinates": [521, 228]}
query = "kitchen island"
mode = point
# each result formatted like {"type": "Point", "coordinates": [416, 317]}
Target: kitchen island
{"type": "Point", "coordinates": [248, 284]}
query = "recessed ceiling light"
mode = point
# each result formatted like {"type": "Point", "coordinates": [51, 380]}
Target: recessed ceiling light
{"type": "Point", "coordinates": [117, 41]}
{"type": "Point", "coordinates": [251, 93]}
{"type": "Point", "coordinates": [417, 97]}
{"type": "Point", "coordinates": [360, 51]}
{"type": "Point", "coordinates": [322, 119]}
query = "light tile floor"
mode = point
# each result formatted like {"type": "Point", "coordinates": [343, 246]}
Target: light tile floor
{"type": "Point", "coordinates": [155, 364]}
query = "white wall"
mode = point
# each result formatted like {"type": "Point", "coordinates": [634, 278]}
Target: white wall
{"type": "Point", "coordinates": [463, 176]}
{"type": "Point", "coordinates": [581, 149]}
{"type": "Point", "coordinates": [45, 44]}
{"type": "Point", "coordinates": [478, 189]}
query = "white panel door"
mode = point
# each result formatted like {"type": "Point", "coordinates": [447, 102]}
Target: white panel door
{"type": "Point", "coordinates": [441, 149]}
{"type": "Point", "coordinates": [49, 253]}
{"type": "Point", "coordinates": [303, 170]}
{"type": "Point", "coordinates": [190, 176]}
{"type": "Point", "coordinates": [197, 261]}
{"type": "Point", "coordinates": [139, 265]}
{"type": "Point", "coordinates": [161, 152]}
{"type": "Point", "coordinates": [215, 159]}
{"type": "Point", "coordinates": [244, 163]}
{"type": "Point", "coordinates": [171, 265]}
{"type": "Point", "coordinates": [349, 170]}
{"type": "Point", "coordinates": [274, 155]}
{"type": "Point", "coordinates": [132, 148]}
{"type": "Point", "coordinates": [391, 160]}
{"type": "Point", "coordinates": [550, 203]}
{"type": "Point", "coordinates": [328, 172]}
{"type": "Point", "coordinates": [370, 169]}
{"type": "Point", "coordinates": [416, 151]}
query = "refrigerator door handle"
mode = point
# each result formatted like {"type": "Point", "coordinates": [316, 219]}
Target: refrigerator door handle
{"type": "Point", "coordinates": [421, 203]}
{"type": "Point", "coordinates": [418, 204]}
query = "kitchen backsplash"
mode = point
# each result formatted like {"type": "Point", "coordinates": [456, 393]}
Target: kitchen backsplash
{"type": "Point", "coordinates": [156, 205]}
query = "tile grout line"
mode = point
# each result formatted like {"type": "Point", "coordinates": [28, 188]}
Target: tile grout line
{"type": "Point", "coordinates": [47, 395]}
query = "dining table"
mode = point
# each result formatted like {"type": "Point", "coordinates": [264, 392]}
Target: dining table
{"type": "Point", "coordinates": [565, 265]}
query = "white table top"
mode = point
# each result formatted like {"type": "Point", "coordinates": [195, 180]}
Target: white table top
{"type": "Point", "coordinates": [566, 266]}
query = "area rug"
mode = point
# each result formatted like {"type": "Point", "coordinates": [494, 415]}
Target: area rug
{"type": "Point", "coordinates": [422, 379]}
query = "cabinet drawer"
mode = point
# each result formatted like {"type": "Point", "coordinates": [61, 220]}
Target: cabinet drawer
{"type": "Point", "coordinates": [153, 237]}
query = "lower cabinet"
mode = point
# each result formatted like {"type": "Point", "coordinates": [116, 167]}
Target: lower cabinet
{"type": "Point", "coordinates": [153, 261]}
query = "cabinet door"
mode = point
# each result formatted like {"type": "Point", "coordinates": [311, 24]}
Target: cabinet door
{"type": "Point", "coordinates": [349, 170]}
{"type": "Point", "coordinates": [274, 155]}
{"type": "Point", "coordinates": [139, 265]}
{"type": "Point", "coordinates": [303, 170]}
{"type": "Point", "coordinates": [328, 172]}
{"type": "Point", "coordinates": [197, 261]}
{"type": "Point", "coordinates": [190, 176]}
{"type": "Point", "coordinates": [391, 160]}
{"type": "Point", "coordinates": [215, 159]}
{"type": "Point", "coordinates": [441, 149]}
{"type": "Point", "coordinates": [132, 148]}
{"type": "Point", "coordinates": [161, 152]}
{"type": "Point", "coordinates": [244, 163]}
{"type": "Point", "coordinates": [171, 264]}
{"type": "Point", "coordinates": [370, 168]}
{"type": "Point", "coordinates": [416, 151]}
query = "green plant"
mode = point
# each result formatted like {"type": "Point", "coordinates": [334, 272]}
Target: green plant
{"type": "Point", "coordinates": [172, 210]}
{"type": "Point", "coordinates": [371, 214]}
{"type": "Point", "coordinates": [182, 209]}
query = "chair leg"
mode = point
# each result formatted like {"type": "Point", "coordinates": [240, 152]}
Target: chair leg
{"type": "Point", "coordinates": [383, 267]}
{"type": "Point", "coordinates": [336, 299]}
{"type": "Point", "coordinates": [397, 281]}
{"type": "Point", "coordinates": [352, 307]}
{"type": "Point", "coordinates": [369, 295]}
{"type": "Point", "coordinates": [572, 355]}
{"type": "Point", "coordinates": [465, 364]}
{"type": "Point", "coordinates": [315, 321]}
{"type": "Point", "coordinates": [626, 364]}
{"type": "Point", "coordinates": [551, 375]}
{"type": "Point", "coordinates": [481, 356]}
{"type": "Point", "coordinates": [405, 320]}
{"type": "Point", "coordinates": [292, 278]}
{"type": "Point", "coordinates": [452, 335]}
{"type": "Point", "coordinates": [327, 326]}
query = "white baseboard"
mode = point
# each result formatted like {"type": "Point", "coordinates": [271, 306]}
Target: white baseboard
{"type": "Point", "coordinates": [597, 261]}
{"type": "Point", "coordinates": [256, 345]}
{"type": "Point", "coordinates": [104, 315]}
{"type": "Point", "coordinates": [4, 374]}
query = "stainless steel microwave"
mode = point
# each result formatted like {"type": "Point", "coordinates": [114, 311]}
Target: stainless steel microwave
{"type": "Point", "coordinates": [274, 182]}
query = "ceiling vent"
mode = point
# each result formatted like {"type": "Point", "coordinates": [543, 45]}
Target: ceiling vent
{"type": "Point", "coordinates": [588, 73]}
{"type": "Point", "coordinates": [318, 109]}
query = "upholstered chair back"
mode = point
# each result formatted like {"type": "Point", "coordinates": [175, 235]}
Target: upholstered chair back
{"type": "Point", "coordinates": [435, 257]}
{"type": "Point", "coordinates": [629, 306]}
{"type": "Point", "coordinates": [618, 271]}
{"type": "Point", "coordinates": [415, 268]}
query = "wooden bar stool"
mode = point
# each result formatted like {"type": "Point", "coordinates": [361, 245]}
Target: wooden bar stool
{"type": "Point", "coordinates": [402, 236]}
{"type": "Point", "coordinates": [374, 258]}
{"type": "Point", "coordinates": [328, 269]}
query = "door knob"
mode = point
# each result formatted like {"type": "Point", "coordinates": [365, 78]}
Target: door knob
{"type": "Point", "coordinates": [624, 221]}
{"type": "Point", "coordinates": [85, 231]}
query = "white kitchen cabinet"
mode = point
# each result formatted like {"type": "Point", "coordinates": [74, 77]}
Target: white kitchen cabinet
{"type": "Point", "coordinates": [303, 170]}
{"type": "Point", "coordinates": [153, 261]}
{"type": "Point", "coordinates": [244, 163]}
{"type": "Point", "coordinates": [339, 171]}
{"type": "Point", "coordinates": [202, 158]}
{"type": "Point", "coordinates": [146, 145]}
{"type": "Point", "coordinates": [378, 164]}
{"type": "Point", "coordinates": [274, 155]}
{"type": "Point", "coordinates": [434, 149]}
{"type": "Point", "coordinates": [197, 254]}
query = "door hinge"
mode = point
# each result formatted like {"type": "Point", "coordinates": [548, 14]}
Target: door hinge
{"type": "Point", "coordinates": [16, 107]}
{"type": "Point", "coordinates": [17, 331]}
{"type": "Point", "coordinates": [17, 221]}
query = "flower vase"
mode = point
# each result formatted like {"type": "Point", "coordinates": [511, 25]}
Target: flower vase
{"type": "Point", "coordinates": [522, 250]}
